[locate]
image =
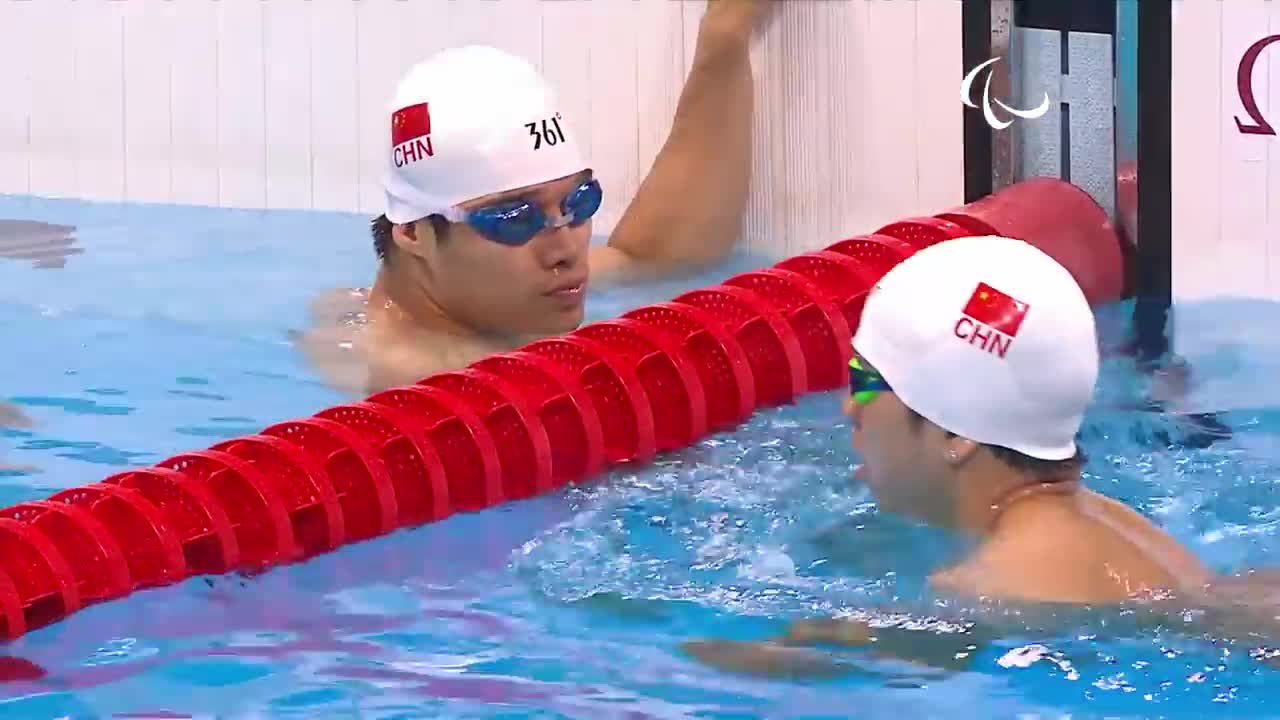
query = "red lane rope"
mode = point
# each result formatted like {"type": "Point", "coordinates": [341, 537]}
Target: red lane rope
{"type": "Point", "coordinates": [514, 425]}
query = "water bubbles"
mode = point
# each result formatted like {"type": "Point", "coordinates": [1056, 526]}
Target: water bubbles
{"type": "Point", "coordinates": [769, 564]}
{"type": "Point", "coordinates": [1023, 657]}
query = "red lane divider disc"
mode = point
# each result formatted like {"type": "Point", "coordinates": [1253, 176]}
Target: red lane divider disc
{"type": "Point", "coordinates": [468, 457]}
{"type": "Point", "coordinates": [568, 416]}
{"type": "Point", "coordinates": [94, 556]}
{"type": "Point", "coordinates": [520, 440]}
{"type": "Point", "coordinates": [151, 549]}
{"type": "Point", "coordinates": [209, 544]}
{"type": "Point", "coordinates": [359, 477]}
{"type": "Point", "coordinates": [416, 471]}
{"type": "Point", "coordinates": [923, 231]}
{"type": "Point", "coordinates": [771, 346]}
{"type": "Point", "coordinates": [971, 225]}
{"type": "Point", "coordinates": [879, 253]}
{"type": "Point", "coordinates": [823, 333]}
{"type": "Point", "coordinates": [717, 357]}
{"type": "Point", "coordinates": [844, 278]}
{"type": "Point", "coordinates": [302, 485]}
{"type": "Point", "coordinates": [675, 393]}
{"type": "Point", "coordinates": [12, 622]}
{"type": "Point", "coordinates": [46, 585]}
{"type": "Point", "coordinates": [615, 390]}
{"type": "Point", "coordinates": [256, 511]}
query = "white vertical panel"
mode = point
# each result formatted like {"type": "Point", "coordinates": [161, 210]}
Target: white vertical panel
{"type": "Point", "coordinates": [768, 201]}
{"type": "Point", "coordinates": [509, 25]}
{"type": "Point", "coordinates": [659, 75]}
{"type": "Point", "coordinates": [1199, 113]}
{"type": "Point", "coordinates": [472, 21]}
{"type": "Point", "coordinates": [15, 87]}
{"type": "Point", "coordinates": [193, 103]}
{"type": "Point", "coordinates": [287, 88]}
{"type": "Point", "coordinates": [940, 130]}
{"type": "Point", "coordinates": [422, 29]}
{"type": "Point", "coordinates": [242, 131]}
{"type": "Point", "coordinates": [148, 130]}
{"type": "Point", "coordinates": [862, 214]}
{"type": "Point", "coordinates": [889, 111]}
{"type": "Point", "coordinates": [1244, 179]}
{"type": "Point", "coordinates": [335, 142]}
{"type": "Point", "coordinates": [393, 36]}
{"type": "Point", "coordinates": [566, 61]}
{"type": "Point", "coordinates": [97, 30]}
{"type": "Point", "coordinates": [849, 49]}
{"type": "Point", "coordinates": [612, 83]}
{"type": "Point", "coordinates": [1272, 188]}
{"type": "Point", "coordinates": [381, 64]}
{"type": "Point", "coordinates": [56, 115]}
{"type": "Point", "coordinates": [796, 202]}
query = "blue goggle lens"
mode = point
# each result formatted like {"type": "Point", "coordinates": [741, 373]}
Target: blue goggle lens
{"type": "Point", "coordinates": [517, 223]}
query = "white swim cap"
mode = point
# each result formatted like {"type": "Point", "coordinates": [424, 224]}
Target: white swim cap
{"type": "Point", "coordinates": [988, 338]}
{"type": "Point", "coordinates": [468, 122]}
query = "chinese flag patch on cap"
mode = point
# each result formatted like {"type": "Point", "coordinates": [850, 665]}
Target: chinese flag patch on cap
{"type": "Point", "coordinates": [996, 310]}
{"type": "Point", "coordinates": [410, 122]}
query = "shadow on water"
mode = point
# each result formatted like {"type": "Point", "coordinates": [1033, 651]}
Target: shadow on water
{"type": "Point", "coordinates": [45, 245]}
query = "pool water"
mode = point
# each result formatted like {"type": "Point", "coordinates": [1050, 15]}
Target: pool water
{"type": "Point", "coordinates": [171, 331]}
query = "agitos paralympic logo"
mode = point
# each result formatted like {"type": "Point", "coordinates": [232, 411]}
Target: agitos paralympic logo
{"type": "Point", "coordinates": [966, 97]}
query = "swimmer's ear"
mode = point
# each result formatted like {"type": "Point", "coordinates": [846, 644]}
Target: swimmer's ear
{"type": "Point", "coordinates": [958, 450]}
{"type": "Point", "coordinates": [416, 238]}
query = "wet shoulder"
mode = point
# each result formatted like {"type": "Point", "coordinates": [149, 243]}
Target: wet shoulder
{"type": "Point", "coordinates": [1091, 550]}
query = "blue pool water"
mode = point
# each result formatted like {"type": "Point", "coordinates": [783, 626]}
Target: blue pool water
{"type": "Point", "coordinates": [171, 331]}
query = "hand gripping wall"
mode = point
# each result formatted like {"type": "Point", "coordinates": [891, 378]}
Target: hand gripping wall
{"type": "Point", "coordinates": [510, 426]}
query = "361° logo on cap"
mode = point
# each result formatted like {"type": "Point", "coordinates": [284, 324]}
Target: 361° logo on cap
{"type": "Point", "coordinates": [546, 132]}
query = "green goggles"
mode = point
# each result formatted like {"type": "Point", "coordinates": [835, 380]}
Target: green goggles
{"type": "Point", "coordinates": [864, 383]}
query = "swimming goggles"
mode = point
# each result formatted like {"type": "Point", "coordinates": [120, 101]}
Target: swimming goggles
{"type": "Point", "coordinates": [865, 384]}
{"type": "Point", "coordinates": [516, 223]}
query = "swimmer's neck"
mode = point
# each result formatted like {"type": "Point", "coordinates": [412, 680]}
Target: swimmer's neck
{"type": "Point", "coordinates": [994, 492]}
{"type": "Point", "coordinates": [401, 296]}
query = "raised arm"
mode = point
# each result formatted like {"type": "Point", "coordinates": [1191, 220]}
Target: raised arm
{"type": "Point", "coordinates": [688, 212]}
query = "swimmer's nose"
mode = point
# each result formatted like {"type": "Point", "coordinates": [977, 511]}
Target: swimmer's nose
{"type": "Point", "coordinates": [556, 246]}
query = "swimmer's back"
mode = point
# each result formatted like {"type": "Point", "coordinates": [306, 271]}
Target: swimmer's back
{"type": "Point", "coordinates": [1077, 548]}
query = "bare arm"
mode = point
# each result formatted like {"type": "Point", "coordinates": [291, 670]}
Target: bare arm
{"type": "Point", "coordinates": [688, 212]}
{"type": "Point", "coordinates": [794, 654]}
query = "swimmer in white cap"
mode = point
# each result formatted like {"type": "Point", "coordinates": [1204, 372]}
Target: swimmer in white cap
{"type": "Point", "coordinates": [485, 242]}
{"type": "Point", "coordinates": [973, 366]}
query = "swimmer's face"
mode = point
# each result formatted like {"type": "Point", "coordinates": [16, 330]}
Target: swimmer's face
{"type": "Point", "coordinates": [536, 288]}
{"type": "Point", "coordinates": [902, 458]}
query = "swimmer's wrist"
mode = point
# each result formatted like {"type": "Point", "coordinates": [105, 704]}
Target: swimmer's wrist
{"type": "Point", "coordinates": [725, 31]}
